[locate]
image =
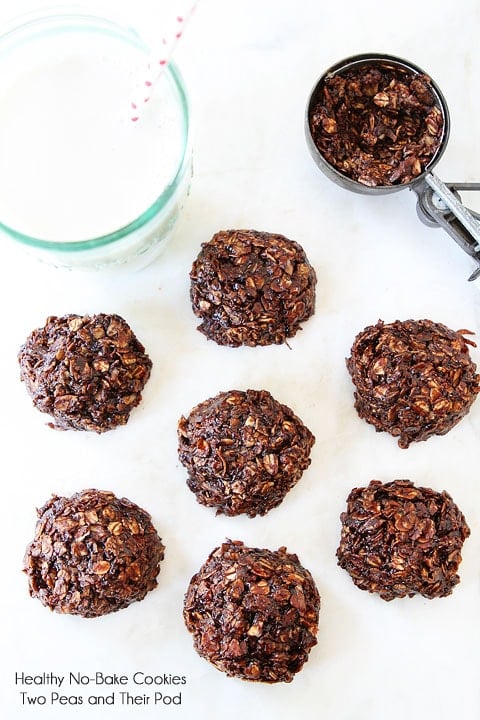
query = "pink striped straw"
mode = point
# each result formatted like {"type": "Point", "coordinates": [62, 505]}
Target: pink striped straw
{"type": "Point", "coordinates": [158, 63]}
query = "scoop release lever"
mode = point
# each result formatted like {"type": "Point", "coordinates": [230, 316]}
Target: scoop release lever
{"type": "Point", "coordinates": [439, 205]}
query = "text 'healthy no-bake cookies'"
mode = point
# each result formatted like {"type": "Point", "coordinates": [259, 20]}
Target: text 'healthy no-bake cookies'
{"type": "Point", "coordinates": [253, 613]}
{"type": "Point", "coordinates": [378, 124]}
{"type": "Point", "coordinates": [87, 372]}
{"type": "Point", "coordinates": [243, 451]}
{"type": "Point", "coordinates": [413, 379]}
{"type": "Point", "coordinates": [93, 554]}
{"type": "Point", "coordinates": [251, 288]}
{"type": "Point", "coordinates": [399, 540]}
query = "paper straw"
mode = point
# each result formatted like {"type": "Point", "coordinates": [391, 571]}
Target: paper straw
{"type": "Point", "coordinates": [158, 63]}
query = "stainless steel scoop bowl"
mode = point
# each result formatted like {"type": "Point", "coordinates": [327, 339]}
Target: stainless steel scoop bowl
{"type": "Point", "coordinates": [438, 203]}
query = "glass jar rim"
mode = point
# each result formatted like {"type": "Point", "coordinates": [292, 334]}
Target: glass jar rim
{"type": "Point", "coordinates": [79, 15]}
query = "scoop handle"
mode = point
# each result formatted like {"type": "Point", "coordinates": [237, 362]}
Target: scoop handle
{"type": "Point", "coordinates": [439, 204]}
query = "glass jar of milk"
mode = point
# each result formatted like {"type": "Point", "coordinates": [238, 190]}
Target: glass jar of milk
{"type": "Point", "coordinates": [81, 184]}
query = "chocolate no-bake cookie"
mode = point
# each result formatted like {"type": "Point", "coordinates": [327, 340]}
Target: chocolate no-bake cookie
{"type": "Point", "coordinates": [251, 288]}
{"type": "Point", "coordinates": [253, 613]}
{"type": "Point", "coordinates": [93, 554]}
{"type": "Point", "coordinates": [87, 372]}
{"type": "Point", "coordinates": [399, 540]}
{"type": "Point", "coordinates": [243, 451]}
{"type": "Point", "coordinates": [378, 124]}
{"type": "Point", "coordinates": [413, 379]}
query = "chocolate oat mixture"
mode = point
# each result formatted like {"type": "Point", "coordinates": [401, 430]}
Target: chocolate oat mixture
{"type": "Point", "coordinates": [377, 124]}
{"type": "Point", "coordinates": [253, 613]}
{"type": "Point", "coordinates": [413, 378]}
{"type": "Point", "coordinates": [400, 540]}
{"type": "Point", "coordinates": [92, 554]}
{"type": "Point", "coordinates": [87, 372]}
{"type": "Point", "coordinates": [243, 451]}
{"type": "Point", "coordinates": [251, 288]}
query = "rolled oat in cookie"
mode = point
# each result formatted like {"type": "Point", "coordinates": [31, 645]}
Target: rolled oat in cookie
{"type": "Point", "coordinates": [92, 554]}
{"type": "Point", "coordinates": [413, 378]}
{"type": "Point", "coordinates": [87, 372]}
{"type": "Point", "coordinates": [253, 612]}
{"type": "Point", "coordinates": [251, 288]}
{"type": "Point", "coordinates": [398, 539]}
{"type": "Point", "coordinates": [243, 451]}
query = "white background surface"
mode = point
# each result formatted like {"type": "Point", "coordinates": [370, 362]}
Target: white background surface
{"type": "Point", "coordinates": [249, 67]}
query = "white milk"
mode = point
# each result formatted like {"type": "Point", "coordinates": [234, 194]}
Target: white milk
{"type": "Point", "coordinates": [73, 165]}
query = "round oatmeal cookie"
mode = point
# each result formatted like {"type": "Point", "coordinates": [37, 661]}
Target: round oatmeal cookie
{"type": "Point", "coordinates": [243, 451]}
{"type": "Point", "coordinates": [93, 554]}
{"type": "Point", "coordinates": [251, 288]}
{"type": "Point", "coordinates": [253, 613]}
{"type": "Point", "coordinates": [87, 372]}
{"type": "Point", "coordinates": [399, 540]}
{"type": "Point", "coordinates": [413, 379]}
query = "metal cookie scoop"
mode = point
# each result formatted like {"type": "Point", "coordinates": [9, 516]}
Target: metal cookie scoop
{"type": "Point", "coordinates": [438, 203]}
